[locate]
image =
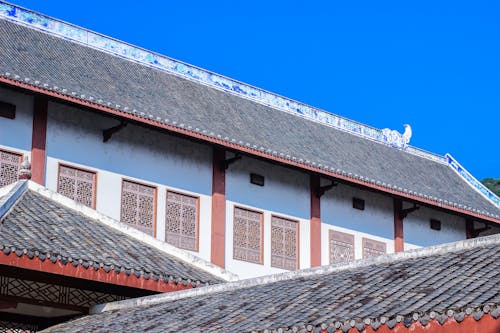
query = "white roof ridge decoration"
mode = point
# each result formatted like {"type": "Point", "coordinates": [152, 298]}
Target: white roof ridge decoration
{"type": "Point", "coordinates": [22, 185]}
{"type": "Point", "coordinates": [247, 283]}
{"type": "Point", "coordinates": [472, 181]}
{"type": "Point", "coordinates": [163, 63]}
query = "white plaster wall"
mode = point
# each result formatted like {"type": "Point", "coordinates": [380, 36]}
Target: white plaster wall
{"type": "Point", "coordinates": [358, 242]}
{"type": "Point", "coordinates": [74, 137]}
{"type": "Point", "coordinates": [15, 134]}
{"type": "Point", "coordinates": [285, 191]}
{"type": "Point", "coordinates": [249, 270]}
{"type": "Point", "coordinates": [376, 219]}
{"type": "Point", "coordinates": [417, 231]}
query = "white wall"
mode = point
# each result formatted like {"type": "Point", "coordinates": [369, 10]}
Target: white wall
{"type": "Point", "coordinates": [285, 193]}
{"type": "Point", "coordinates": [248, 270]}
{"type": "Point", "coordinates": [376, 219]}
{"type": "Point", "coordinates": [358, 241]}
{"type": "Point", "coordinates": [15, 134]}
{"type": "Point", "coordinates": [74, 137]}
{"type": "Point", "coordinates": [417, 230]}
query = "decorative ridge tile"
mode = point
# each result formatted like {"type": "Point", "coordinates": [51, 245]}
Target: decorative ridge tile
{"type": "Point", "coordinates": [163, 63]}
{"type": "Point", "coordinates": [472, 181]}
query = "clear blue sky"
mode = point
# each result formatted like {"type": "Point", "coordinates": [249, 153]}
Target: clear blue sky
{"type": "Point", "coordinates": [432, 64]}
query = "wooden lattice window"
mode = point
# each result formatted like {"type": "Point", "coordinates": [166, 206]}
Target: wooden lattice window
{"type": "Point", "coordinates": [373, 248]}
{"type": "Point", "coordinates": [9, 167]}
{"type": "Point", "coordinates": [181, 227]}
{"type": "Point", "coordinates": [138, 207]}
{"type": "Point", "coordinates": [284, 243]}
{"type": "Point", "coordinates": [77, 184]}
{"type": "Point", "coordinates": [247, 235]}
{"type": "Point", "coordinates": [341, 247]}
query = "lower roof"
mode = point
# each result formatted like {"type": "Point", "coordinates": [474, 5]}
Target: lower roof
{"type": "Point", "coordinates": [447, 281]}
{"type": "Point", "coordinates": [75, 71]}
{"type": "Point", "coordinates": [48, 229]}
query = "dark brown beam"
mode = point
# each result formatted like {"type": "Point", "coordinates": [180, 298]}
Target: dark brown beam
{"type": "Point", "coordinates": [217, 248]}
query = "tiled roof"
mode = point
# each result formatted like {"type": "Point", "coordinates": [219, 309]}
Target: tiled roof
{"type": "Point", "coordinates": [77, 71]}
{"type": "Point", "coordinates": [38, 223]}
{"type": "Point", "coordinates": [450, 281]}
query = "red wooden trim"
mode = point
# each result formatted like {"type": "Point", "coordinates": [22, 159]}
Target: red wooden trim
{"type": "Point", "coordinates": [38, 139]}
{"type": "Point", "coordinates": [197, 246]}
{"type": "Point", "coordinates": [261, 213]}
{"type": "Point", "coordinates": [399, 243]}
{"type": "Point", "coordinates": [218, 235]}
{"type": "Point", "coordinates": [297, 245]}
{"type": "Point", "coordinates": [487, 324]}
{"type": "Point", "coordinates": [90, 273]}
{"type": "Point", "coordinates": [251, 151]}
{"type": "Point", "coordinates": [315, 222]}
{"type": "Point", "coordinates": [155, 200]}
{"type": "Point", "coordinates": [94, 194]}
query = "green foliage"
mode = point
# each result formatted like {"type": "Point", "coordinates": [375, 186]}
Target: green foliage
{"type": "Point", "coordinates": [493, 184]}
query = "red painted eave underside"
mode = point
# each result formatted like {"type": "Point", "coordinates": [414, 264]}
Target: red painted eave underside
{"type": "Point", "coordinates": [99, 275]}
{"type": "Point", "coordinates": [247, 150]}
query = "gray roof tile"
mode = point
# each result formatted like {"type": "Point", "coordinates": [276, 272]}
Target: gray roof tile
{"type": "Point", "coordinates": [39, 226]}
{"type": "Point", "coordinates": [435, 285]}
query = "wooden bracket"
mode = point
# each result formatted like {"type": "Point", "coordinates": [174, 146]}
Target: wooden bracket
{"type": "Point", "coordinates": [108, 133]}
{"type": "Point", "coordinates": [231, 160]}
{"type": "Point", "coordinates": [322, 189]}
{"type": "Point", "coordinates": [403, 213]}
{"type": "Point", "coordinates": [476, 231]}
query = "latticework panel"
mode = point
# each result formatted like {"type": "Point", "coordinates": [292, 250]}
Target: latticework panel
{"type": "Point", "coordinates": [7, 326]}
{"type": "Point", "coordinates": [181, 226]}
{"type": "Point", "coordinates": [284, 243]}
{"type": "Point", "coordinates": [373, 248]}
{"type": "Point", "coordinates": [247, 235]}
{"type": "Point", "coordinates": [53, 294]}
{"type": "Point", "coordinates": [9, 167]}
{"type": "Point", "coordinates": [77, 184]}
{"type": "Point", "coordinates": [341, 247]}
{"type": "Point", "coordinates": [138, 206]}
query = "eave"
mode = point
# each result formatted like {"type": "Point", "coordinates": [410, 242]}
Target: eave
{"type": "Point", "coordinates": [355, 180]}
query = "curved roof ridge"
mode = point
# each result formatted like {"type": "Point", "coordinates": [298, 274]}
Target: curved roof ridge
{"type": "Point", "coordinates": [269, 279]}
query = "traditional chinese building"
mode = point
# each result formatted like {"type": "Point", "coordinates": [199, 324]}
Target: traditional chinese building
{"type": "Point", "coordinates": [452, 288]}
{"type": "Point", "coordinates": [237, 176]}
{"type": "Point", "coordinates": [246, 179]}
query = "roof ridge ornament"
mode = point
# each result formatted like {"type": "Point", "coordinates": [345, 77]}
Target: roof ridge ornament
{"type": "Point", "coordinates": [397, 140]}
{"type": "Point", "coordinates": [25, 169]}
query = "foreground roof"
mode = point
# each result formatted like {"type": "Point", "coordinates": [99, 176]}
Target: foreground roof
{"type": "Point", "coordinates": [442, 283]}
{"type": "Point", "coordinates": [48, 231]}
{"type": "Point", "coordinates": [71, 63]}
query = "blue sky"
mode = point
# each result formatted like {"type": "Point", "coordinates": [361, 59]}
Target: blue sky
{"type": "Point", "coordinates": [432, 64]}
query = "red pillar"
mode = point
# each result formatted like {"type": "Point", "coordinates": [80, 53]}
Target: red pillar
{"type": "Point", "coordinates": [398, 226]}
{"type": "Point", "coordinates": [218, 208]}
{"type": "Point", "coordinates": [38, 142]}
{"type": "Point", "coordinates": [469, 228]}
{"type": "Point", "coordinates": [315, 223]}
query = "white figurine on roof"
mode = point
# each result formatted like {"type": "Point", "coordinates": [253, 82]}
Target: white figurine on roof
{"type": "Point", "coordinates": [396, 139]}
